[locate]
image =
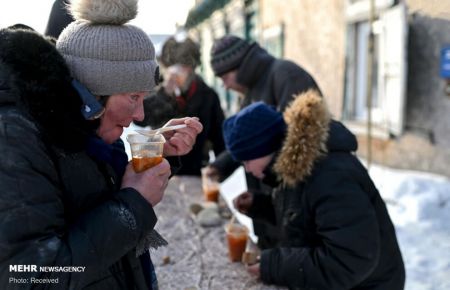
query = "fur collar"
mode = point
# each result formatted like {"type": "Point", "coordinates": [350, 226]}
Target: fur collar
{"type": "Point", "coordinates": [308, 121]}
{"type": "Point", "coordinates": [39, 84]}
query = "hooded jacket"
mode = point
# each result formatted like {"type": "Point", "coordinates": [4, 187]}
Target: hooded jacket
{"type": "Point", "coordinates": [334, 229]}
{"type": "Point", "coordinates": [58, 205]}
{"type": "Point", "coordinates": [273, 81]}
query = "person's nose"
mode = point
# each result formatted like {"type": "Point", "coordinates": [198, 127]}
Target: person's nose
{"type": "Point", "coordinates": [139, 114]}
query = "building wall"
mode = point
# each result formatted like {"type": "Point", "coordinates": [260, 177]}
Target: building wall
{"type": "Point", "coordinates": [432, 8]}
{"type": "Point", "coordinates": [425, 145]}
{"type": "Point", "coordinates": [314, 38]}
{"type": "Point", "coordinates": [428, 111]}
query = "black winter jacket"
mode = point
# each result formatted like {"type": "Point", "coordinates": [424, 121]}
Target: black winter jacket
{"type": "Point", "coordinates": [334, 229]}
{"type": "Point", "coordinates": [273, 81]}
{"type": "Point", "coordinates": [59, 206]}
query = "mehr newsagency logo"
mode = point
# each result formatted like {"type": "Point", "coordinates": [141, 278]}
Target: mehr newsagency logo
{"type": "Point", "coordinates": [40, 269]}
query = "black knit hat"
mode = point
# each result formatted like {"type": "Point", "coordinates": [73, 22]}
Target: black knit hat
{"type": "Point", "coordinates": [256, 131]}
{"type": "Point", "coordinates": [227, 53]}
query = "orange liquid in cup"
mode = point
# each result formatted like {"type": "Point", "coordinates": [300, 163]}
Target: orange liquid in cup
{"type": "Point", "coordinates": [211, 194]}
{"type": "Point", "coordinates": [142, 163]}
{"type": "Point", "coordinates": [237, 241]}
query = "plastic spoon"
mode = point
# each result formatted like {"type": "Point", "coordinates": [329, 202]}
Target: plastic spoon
{"type": "Point", "coordinates": [160, 130]}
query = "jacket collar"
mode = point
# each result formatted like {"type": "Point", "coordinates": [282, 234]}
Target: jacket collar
{"type": "Point", "coordinates": [307, 119]}
{"type": "Point", "coordinates": [311, 135]}
{"type": "Point", "coordinates": [255, 64]}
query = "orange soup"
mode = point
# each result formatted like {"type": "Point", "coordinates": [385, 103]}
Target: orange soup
{"type": "Point", "coordinates": [142, 163]}
{"type": "Point", "coordinates": [211, 194]}
{"type": "Point", "coordinates": [237, 240]}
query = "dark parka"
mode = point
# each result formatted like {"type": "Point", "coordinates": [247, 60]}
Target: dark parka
{"type": "Point", "coordinates": [199, 101]}
{"type": "Point", "coordinates": [335, 231]}
{"type": "Point", "coordinates": [59, 206]}
{"type": "Point", "coordinates": [273, 81]}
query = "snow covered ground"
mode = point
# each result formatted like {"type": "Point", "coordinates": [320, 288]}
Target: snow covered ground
{"type": "Point", "coordinates": [419, 206]}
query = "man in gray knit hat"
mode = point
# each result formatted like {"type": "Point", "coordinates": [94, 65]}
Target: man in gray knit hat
{"type": "Point", "coordinates": [70, 200]}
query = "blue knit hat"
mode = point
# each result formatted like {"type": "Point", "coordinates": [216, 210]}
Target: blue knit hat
{"type": "Point", "coordinates": [254, 132]}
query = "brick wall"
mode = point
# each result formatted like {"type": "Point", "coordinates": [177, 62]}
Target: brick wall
{"type": "Point", "coordinates": [314, 38]}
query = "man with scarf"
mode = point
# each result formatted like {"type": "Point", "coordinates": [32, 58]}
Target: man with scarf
{"type": "Point", "coordinates": [184, 93]}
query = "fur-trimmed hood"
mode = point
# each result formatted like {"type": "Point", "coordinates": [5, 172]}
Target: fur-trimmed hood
{"type": "Point", "coordinates": [37, 82]}
{"type": "Point", "coordinates": [311, 135]}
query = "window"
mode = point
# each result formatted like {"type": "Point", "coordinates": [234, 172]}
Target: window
{"type": "Point", "coordinates": [388, 71]}
{"type": "Point", "coordinates": [355, 97]}
{"type": "Point", "coordinates": [273, 40]}
{"type": "Point", "coordinates": [250, 19]}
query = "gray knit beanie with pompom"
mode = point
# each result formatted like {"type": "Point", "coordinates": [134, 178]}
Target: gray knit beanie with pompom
{"type": "Point", "coordinates": [105, 54]}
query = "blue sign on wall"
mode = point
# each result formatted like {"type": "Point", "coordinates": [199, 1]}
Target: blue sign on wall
{"type": "Point", "coordinates": [445, 62]}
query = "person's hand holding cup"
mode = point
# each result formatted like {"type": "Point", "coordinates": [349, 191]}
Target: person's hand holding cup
{"type": "Point", "coordinates": [150, 183]}
{"type": "Point", "coordinates": [175, 79]}
{"type": "Point", "coordinates": [149, 172]}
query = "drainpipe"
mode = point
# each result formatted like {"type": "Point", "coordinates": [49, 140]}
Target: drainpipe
{"type": "Point", "coordinates": [369, 82]}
